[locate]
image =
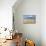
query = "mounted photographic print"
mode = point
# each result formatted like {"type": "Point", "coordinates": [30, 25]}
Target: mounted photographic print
{"type": "Point", "coordinates": [29, 19]}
